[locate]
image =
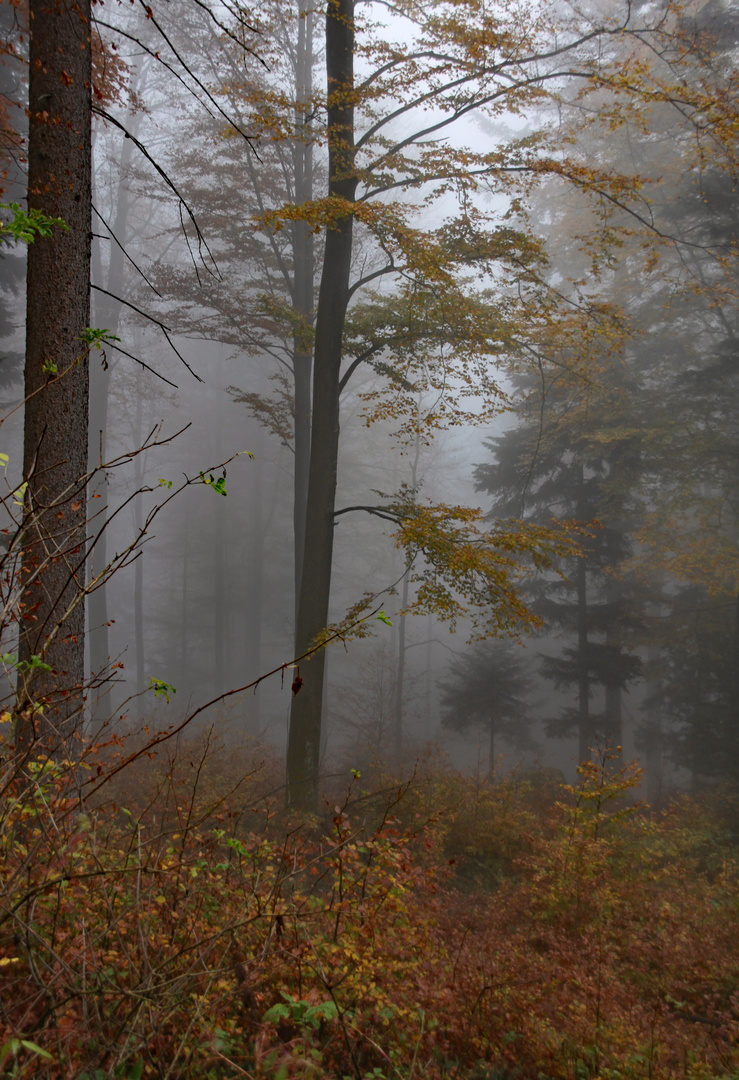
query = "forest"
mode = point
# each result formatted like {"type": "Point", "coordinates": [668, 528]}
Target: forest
{"type": "Point", "coordinates": [369, 553]}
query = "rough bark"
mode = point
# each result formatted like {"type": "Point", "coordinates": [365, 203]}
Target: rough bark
{"type": "Point", "coordinates": [56, 418]}
{"type": "Point", "coordinates": [303, 754]}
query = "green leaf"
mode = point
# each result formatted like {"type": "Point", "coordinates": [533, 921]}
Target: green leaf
{"type": "Point", "coordinates": [218, 485]}
{"type": "Point", "coordinates": [383, 618]}
{"type": "Point", "coordinates": [161, 688]}
{"type": "Point", "coordinates": [34, 1049]}
{"type": "Point", "coordinates": [34, 662]}
{"type": "Point", "coordinates": [276, 1013]}
{"type": "Point", "coordinates": [95, 338]}
{"type": "Point", "coordinates": [325, 1011]}
{"type": "Point", "coordinates": [25, 226]}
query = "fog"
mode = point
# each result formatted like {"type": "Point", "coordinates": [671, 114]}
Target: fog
{"type": "Point", "coordinates": [633, 434]}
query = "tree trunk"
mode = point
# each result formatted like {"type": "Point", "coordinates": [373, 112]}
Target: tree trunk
{"type": "Point", "coordinates": [303, 754]}
{"type": "Point", "coordinates": [220, 575]}
{"type": "Point", "coordinates": [303, 274]}
{"type": "Point", "coordinates": [139, 474]}
{"type": "Point", "coordinates": [400, 678]}
{"type": "Point", "coordinates": [614, 685]}
{"type": "Point", "coordinates": [733, 740]}
{"type": "Point", "coordinates": [583, 688]}
{"type": "Point", "coordinates": [56, 419]}
{"type": "Point", "coordinates": [400, 673]}
{"type": "Point", "coordinates": [107, 315]}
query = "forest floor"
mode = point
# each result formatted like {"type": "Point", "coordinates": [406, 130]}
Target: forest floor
{"type": "Point", "coordinates": [178, 925]}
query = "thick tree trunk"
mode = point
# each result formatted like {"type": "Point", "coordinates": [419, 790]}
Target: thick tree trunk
{"type": "Point", "coordinates": [56, 421]}
{"type": "Point", "coordinates": [303, 754]}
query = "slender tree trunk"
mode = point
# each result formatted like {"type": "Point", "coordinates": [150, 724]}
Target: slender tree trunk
{"type": "Point", "coordinates": [614, 680]}
{"type": "Point", "coordinates": [184, 606]}
{"type": "Point", "coordinates": [255, 575]}
{"type": "Point", "coordinates": [107, 315]}
{"type": "Point", "coordinates": [400, 676]}
{"type": "Point", "coordinates": [303, 754]}
{"type": "Point", "coordinates": [56, 419]}
{"type": "Point", "coordinates": [138, 580]}
{"type": "Point", "coordinates": [220, 613]}
{"type": "Point", "coordinates": [733, 740]}
{"type": "Point", "coordinates": [304, 271]}
{"type": "Point", "coordinates": [427, 680]}
{"type": "Point", "coordinates": [653, 739]}
{"type": "Point", "coordinates": [400, 673]}
{"type": "Point", "coordinates": [614, 703]}
{"type": "Point", "coordinates": [491, 748]}
{"type": "Point", "coordinates": [583, 687]}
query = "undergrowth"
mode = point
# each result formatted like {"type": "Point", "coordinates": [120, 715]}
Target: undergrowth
{"type": "Point", "coordinates": [170, 921]}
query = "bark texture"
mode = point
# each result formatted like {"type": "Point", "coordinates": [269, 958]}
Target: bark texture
{"type": "Point", "coordinates": [56, 419]}
{"type": "Point", "coordinates": [303, 754]}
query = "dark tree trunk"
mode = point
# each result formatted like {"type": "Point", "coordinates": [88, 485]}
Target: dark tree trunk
{"type": "Point", "coordinates": [303, 263]}
{"type": "Point", "coordinates": [734, 692]}
{"type": "Point", "coordinates": [56, 420]}
{"type": "Point", "coordinates": [303, 754]}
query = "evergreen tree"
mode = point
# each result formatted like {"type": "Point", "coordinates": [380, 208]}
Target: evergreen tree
{"type": "Point", "coordinates": [565, 462]}
{"type": "Point", "coordinates": [490, 686]}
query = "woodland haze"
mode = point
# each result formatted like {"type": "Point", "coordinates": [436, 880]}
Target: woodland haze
{"type": "Point", "coordinates": [369, 566]}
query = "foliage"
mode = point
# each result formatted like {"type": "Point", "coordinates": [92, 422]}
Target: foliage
{"type": "Point", "coordinates": [168, 937]}
{"type": "Point", "coordinates": [26, 225]}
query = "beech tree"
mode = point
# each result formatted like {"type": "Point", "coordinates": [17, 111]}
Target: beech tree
{"type": "Point", "coordinates": [433, 330]}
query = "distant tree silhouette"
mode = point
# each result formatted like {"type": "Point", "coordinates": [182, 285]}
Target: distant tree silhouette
{"type": "Point", "coordinates": [490, 686]}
